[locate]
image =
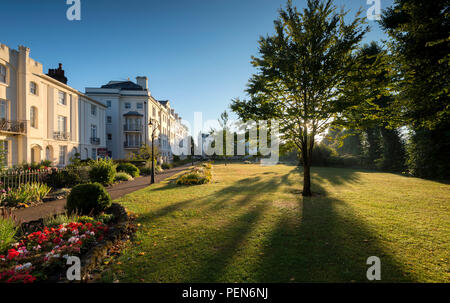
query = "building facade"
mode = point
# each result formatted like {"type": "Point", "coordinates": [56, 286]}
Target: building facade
{"type": "Point", "coordinates": [130, 107]}
{"type": "Point", "coordinates": [41, 117]}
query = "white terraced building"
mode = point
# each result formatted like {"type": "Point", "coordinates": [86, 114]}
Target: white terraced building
{"type": "Point", "coordinates": [130, 106]}
{"type": "Point", "coordinates": [41, 117]}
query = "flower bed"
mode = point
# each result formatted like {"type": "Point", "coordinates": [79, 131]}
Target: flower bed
{"type": "Point", "coordinates": [41, 253]}
{"type": "Point", "coordinates": [198, 175]}
{"type": "Point", "coordinates": [25, 195]}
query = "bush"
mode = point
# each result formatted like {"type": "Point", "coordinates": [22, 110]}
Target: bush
{"type": "Point", "coordinates": [86, 199]}
{"type": "Point", "coordinates": [322, 154]}
{"type": "Point", "coordinates": [147, 171]}
{"type": "Point", "coordinates": [64, 178]}
{"type": "Point", "coordinates": [166, 166]}
{"type": "Point", "coordinates": [85, 219]}
{"type": "Point", "coordinates": [128, 168]}
{"type": "Point", "coordinates": [59, 219]}
{"type": "Point", "coordinates": [198, 175]}
{"type": "Point", "coordinates": [8, 230]}
{"type": "Point", "coordinates": [123, 176]}
{"type": "Point", "coordinates": [16, 197]}
{"type": "Point", "coordinates": [102, 171]}
{"type": "Point", "coordinates": [105, 218]}
{"type": "Point", "coordinates": [207, 165]}
{"type": "Point", "coordinates": [37, 191]}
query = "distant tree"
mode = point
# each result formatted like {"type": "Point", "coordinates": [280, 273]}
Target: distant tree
{"type": "Point", "coordinates": [223, 132]}
{"type": "Point", "coordinates": [300, 70]}
{"type": "Point", "coordinates": [145, 152]}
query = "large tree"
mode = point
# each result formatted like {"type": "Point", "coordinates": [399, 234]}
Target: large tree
{"type": "Point", "coordinates": [368, 107]}
{"type": "Point", "coordinates": [300, 70]}
{"type": "Point", "coordinates": [420, 43]}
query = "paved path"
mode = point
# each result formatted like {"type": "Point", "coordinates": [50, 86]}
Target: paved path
{"type": "Point", "coordinates": [116, 191]}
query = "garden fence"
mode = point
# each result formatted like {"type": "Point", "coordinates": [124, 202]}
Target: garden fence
{"type": "Point", "coordinates": [13, 178]}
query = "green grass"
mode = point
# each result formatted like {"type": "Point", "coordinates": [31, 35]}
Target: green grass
{"type": "Point", "coordinates": [252, 225]}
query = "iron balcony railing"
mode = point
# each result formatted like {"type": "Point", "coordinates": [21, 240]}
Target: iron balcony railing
{"type": "Point", "coordinates": [131, 144]}
{"type": "Point", "coordinates": [132, 127]}
{"type": "Point", "coordinates": [14, 127]}
{"type": "Point", "coordinates": [63, 136]}
{"type": "Point", "coordinates": [95, 141]}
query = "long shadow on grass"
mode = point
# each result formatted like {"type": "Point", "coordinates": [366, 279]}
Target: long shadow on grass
{"type": "Point", "coordinates": [323, 241]}
{"type": "Point", "coordinates": [222, 198]}
{"type": "Point", "coordinates": [320, 240]}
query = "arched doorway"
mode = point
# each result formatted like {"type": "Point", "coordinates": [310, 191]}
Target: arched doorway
{"type": "Point", "coordinates": [36, 154]}
{"type": "Point", "coordinates": [49, 153]}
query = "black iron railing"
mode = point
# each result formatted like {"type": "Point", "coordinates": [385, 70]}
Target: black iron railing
{"type": "Point", "coordinates": [131, 144]}
{"type": "Point", "coordinates": [63, 136]}
{"type": "Point", "coordinates": [95, 141]}
{"type": "Point", "coordinates": [16, 127]}
{"type": "Point", "coordinates": [132, 127]}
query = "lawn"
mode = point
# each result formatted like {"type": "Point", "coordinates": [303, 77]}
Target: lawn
{"type": "Point", "coordinates": [252, 225]}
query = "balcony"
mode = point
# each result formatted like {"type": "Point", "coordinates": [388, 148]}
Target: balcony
{"type": "Point", "coordinates": [132, 144]}
{"type": "Point", "coordinates": [13, 127]}
{"type": "Point", "coordinates": [62, 136]}
{"type": "Point", "coordinates": [132, 127]}
{"type": "Point", "coordinates": [95, 141]}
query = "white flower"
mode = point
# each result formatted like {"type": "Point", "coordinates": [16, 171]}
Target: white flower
{"type": "Point", "coordinates": [72, 239]}
{"type": "Point", "coordinates": [23, 267]}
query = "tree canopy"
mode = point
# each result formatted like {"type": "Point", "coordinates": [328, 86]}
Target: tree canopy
{"type": "Point", "coordinates": [300, 71]}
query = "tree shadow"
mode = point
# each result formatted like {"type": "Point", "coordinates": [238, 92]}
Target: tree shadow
{"type": "Point", "coordinates": [324, 241]}
{"type": "Point", "coordinates": [320, 239]}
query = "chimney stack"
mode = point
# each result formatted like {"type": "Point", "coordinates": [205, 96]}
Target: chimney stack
{"type": "Point", "coordinates": [57, 74]}
{"type": "Point", "coordinates": [142, 81]}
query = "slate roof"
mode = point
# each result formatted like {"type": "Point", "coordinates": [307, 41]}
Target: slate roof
{"type": "Point", "coordinates": [133, 114]}
{"type": "Point", "coordinates": [124, 85]}
{"type": "Point", "coordinates": [163, 102]}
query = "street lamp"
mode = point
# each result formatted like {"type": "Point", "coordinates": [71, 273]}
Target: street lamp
{"type": "Point", "coordinates": [154, 124]}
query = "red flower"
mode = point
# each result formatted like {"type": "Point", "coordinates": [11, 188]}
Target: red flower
{"type": "Point", "coordinates": [29, 279]}
{"type": "Point", "coordinates": [12, 253]}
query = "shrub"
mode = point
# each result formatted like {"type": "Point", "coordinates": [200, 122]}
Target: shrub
{"type": "Point", "coordinates": [166, 166]}
{"type": "Point", "coordinates": [37, 191]}
{"type": "Point", "coordinates": [176, 158]}
{"type": "Point", "coordinates": [8, 230]}
{"type": "Point", "coordinates": [16, 197]}
{"type": "Point", "coordinates": [105, 218]}
{"type": "Point", "coordinates": [85, 219]}
{"type": "Point", "coordinates": [198, 175]}
{"type": "Point", "coordinates": [102, 171]}
{"type": "Point", "coordinates": [128, 168]}
{"type": "Point", "coordinates": [86, 199]}
{"type": "Point", "coordinates": [46, 163]}
{"type": "Point", "coordinates": [64, 178]}
{"type": "Point", "coordinates": [123, 176]}
{"type": "Point", "coordinates": [207, 165]}
{"type": "Point", "coordinates": [146, 171]}
{"type": "Point", "coordinates": [59, 219]}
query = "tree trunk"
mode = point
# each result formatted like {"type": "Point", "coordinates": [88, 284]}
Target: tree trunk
{"type": "Point", "coordinates": [306, 172]}
{"type": "Point", "coordinates": [306, 180]}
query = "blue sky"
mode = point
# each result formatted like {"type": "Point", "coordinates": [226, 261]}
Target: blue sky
{"type": "Point", "coordinates": [195, 53]}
